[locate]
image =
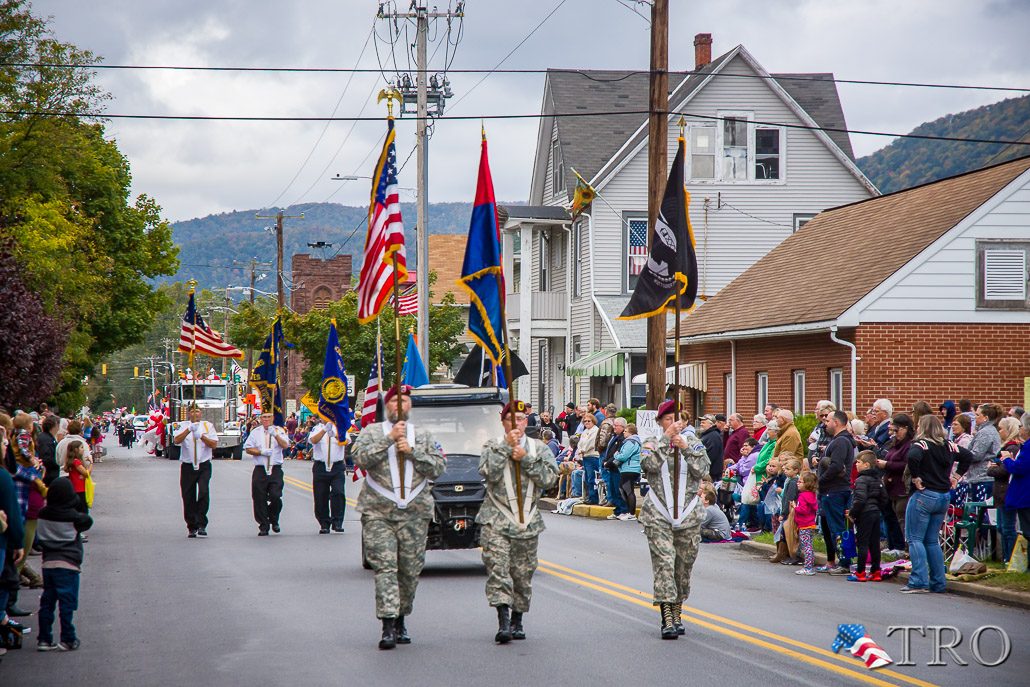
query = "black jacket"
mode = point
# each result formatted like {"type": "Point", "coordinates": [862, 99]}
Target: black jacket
{"type": "Point", "coordinates": [60, 523]}
{"type": "Point", "coordinates": [932, 463]}
{"type": "Point", "coordinates": [46, 448]}
{"type": "Point", "coordinates": [870, 494]}
{"type": "Point", "coordinates": [712, 439]}
{"type": "Point", "coordinates": [834, 471]}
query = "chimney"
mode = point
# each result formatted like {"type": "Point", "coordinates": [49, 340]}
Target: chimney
{"type": "Point", "coordinates": [702, 50]}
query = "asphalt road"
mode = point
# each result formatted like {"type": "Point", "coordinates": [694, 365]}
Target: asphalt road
{"type": "Point", "coordinates": [157, 608]}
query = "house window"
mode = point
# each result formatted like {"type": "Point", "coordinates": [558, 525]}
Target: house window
{"type": "Point", "coordinates": [575, 254]}
{"type": "Point", "coordinates": [545, 262]}
{"type": "Point", "coordinates": [577, 347]}
{"type": "Point", "coordinates": [801, 219]}
{"type": "Point", "coordinates": [731, 402]}
{"type": "Point", "coordinates": [541, 375]}
{"type": "Point", "coordinates": [837, 387]}
{"type": "Point", "coordinates": [557, 170]}
{"type": "Point", "coordinates": [702, 151]}
{"type": "Point", "coordinates": [1001, 274]}
{"type": "Point", "coordinates": [763, 391]}
{"type": "Point", "coordinates": [734, 152]}
{"type": "Point", "coordinates": [635, 230]}
{"type": "Point", "coordinates": [767, 152]}
{"type": "Point", "coordinates": [799, 392]}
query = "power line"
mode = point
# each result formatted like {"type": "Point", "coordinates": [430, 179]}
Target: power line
{"type": "Point", "coordinates": [497, 70]}
{"type": "Point", "coordinates": [557, 115]}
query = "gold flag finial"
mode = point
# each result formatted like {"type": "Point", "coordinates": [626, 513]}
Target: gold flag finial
{"type": "Point", "coordinates": [192, 284]}
{"type": "Point", "coordinates": [389, 95]}
{"type": "Point", "coordinates": [683, 125]}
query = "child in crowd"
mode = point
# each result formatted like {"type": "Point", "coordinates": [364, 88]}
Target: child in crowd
{"type": "Point", "coordinates": [769, 495]}
{"type": "Point", "coordinates": [804, 516]}
{"type": "Point", "coordinates": [78, 471]}
{"type": "Point", "coordinates": [744, 466]}
{"type": "Point", "coordinates": [58, 534]}
{"type": "Point", "coordinates": [727, 485]}
{"type": "Point", "coordinates": [868, 502]}
{"type": "Point", "coordinates": [715, 526]}
{"type": "Point", "coordinates": [789, 494]}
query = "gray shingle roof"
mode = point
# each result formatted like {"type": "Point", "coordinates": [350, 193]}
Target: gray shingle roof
{"type": "Point", "coordinates": [589, 143]}
{"type": "Point", "coordinates": [631, 333]}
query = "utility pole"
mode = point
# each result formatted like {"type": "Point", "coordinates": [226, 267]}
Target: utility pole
{"type": "Point", "coordinates": [439, 90]}
{"type": "Point", "coordinates": [657, 164]}
{"type": "Point", "coordinates": [225, 330]}
{"type": "Point", "coordinates": [281, 368]}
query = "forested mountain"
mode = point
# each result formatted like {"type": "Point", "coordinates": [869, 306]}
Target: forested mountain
{"type": "Point", "coordinates": [909, 162]}
{"type": "Point", "coordinates": [208, 246]}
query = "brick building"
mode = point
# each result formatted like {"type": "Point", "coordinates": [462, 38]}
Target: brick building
{"type": "Point", "coordinates": [316, 283]}
{"type": "Point", "coordinates": [916, 295]}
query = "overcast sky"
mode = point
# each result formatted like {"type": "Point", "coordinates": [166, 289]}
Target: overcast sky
{"type": "Point", "coordinates": [197, 168]}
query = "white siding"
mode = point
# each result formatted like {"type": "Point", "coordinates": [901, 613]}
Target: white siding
{"type": "Point", "coordinates": [939, 285]}
{"type": "Point", "coordinates": [814, 181]}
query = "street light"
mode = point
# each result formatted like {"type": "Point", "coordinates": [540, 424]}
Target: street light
{"type": "Point", "coordinates": [351, 177]}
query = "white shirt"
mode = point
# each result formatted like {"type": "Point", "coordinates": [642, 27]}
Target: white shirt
{"type": "Point", "coordinates": [260, 438]}
{"type": "Point", "coordinates": [327, 450]}
{"type": "Point", "coordinates": [191, 443]}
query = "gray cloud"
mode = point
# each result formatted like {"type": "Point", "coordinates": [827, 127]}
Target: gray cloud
{"type": "Point", "coordinates": [195, 168]}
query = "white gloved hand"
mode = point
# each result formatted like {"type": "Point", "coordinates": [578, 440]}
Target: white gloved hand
{"type": "Point", "coordinates": [197, 428]}
{"type": "Point", "coordinates": [266, 452]}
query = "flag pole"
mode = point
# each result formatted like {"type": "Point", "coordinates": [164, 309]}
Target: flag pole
{"type": "Point", "coordinates": [676, 386]}
{"type": "Point", "coordinates": [193, 339]}
{"type": "Point", "coordinates": [508, 379]}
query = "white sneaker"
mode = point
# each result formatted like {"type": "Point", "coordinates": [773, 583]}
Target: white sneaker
{"type": "Point", "coordinates": [630, 516]}
{"type": "Point", "coordinates": [624, 516]}
{"type": "Point", "coordinates": [613, 516]}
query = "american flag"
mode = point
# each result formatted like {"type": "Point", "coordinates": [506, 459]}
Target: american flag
{"type": "Point", "coordinates": [196, 337]}
{"type": "Point", "coordinates": [637, 245]}
{"type": "Point", "coordinates": [853, 637]}
{"type": "Point", "coordinates": [385, 237]}
{"type": "Point", "coordinates": [370, 406]}
{"type": "Point", "coordinates": [409, 303]}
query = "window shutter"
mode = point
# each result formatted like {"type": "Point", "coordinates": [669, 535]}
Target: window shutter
{"type": "Point", "coordinates": [1004, 275]}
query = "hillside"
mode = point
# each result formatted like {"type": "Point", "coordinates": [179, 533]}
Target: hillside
{"type": "Point", "coordinates": [209, 245]}
{"type": "Point", "coordinates": [909, 162]}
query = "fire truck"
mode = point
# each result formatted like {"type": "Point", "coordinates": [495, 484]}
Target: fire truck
{"type": "Point", "coordinates": [218, 401]}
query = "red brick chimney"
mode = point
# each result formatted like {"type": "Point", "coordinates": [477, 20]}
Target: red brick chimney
{"type": "Point", "coordinates": [702, 50]}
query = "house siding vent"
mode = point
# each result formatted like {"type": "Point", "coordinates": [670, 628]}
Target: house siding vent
{"type": "Point", "coordinates": [1004, 275]}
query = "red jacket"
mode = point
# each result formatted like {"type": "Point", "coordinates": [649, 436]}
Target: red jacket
{"type": "Point", "coordinates": [733, 443]}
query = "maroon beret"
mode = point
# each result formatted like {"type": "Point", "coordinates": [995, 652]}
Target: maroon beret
{"type": "Point", "coordinates": [667, 406]}
{"type": "Point", "coordinates": [405, 389]}
{"type": "Point", "coordinates": [516, 405]}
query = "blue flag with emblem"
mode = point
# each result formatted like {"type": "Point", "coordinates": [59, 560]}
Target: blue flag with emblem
{"type": "Point", "coordinates": [333, 404]}
{"type": "Point", "coordinates": [414, 372]}
{"type": "Point", "coordinates": [266, 373]}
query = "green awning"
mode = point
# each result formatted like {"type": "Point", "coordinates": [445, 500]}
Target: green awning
{"type": "Point", "coordinates": [599, 364]}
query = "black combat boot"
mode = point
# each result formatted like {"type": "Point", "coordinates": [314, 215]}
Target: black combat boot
{"type": "Point", "coordinates": [677, 617]}
{"type": "Point", "coordinates": [389, 640]}
{"type": "Point", "coordinates": [517, 631]}
{"type": "Point", "coordinates": [503, 635]}
{"type": "Point", "coordinates": [668, 628]}
{"type": "Point", "coordinates": [402, 632]}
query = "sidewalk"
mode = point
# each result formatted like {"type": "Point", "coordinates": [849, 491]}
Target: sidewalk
{"type": "Point", "coordinates": [1006, 597]}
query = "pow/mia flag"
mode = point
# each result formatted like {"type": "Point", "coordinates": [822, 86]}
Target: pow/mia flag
{"type": "Point", "coordinates": [671, 269]}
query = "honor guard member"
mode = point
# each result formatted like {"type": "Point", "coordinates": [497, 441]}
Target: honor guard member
{"type": "Point", "coordinates": [196, 439]}
{"type": "Point", "coordinates": [327, 476]}
{"type": "Point", "coordinates": [672, 522]}
{"type": "Point", "coordinates": [266, 443]}
{"type": "Point", "coordinates": [396, 506]}
{"type": "Point", "coordinates": [509, 541]}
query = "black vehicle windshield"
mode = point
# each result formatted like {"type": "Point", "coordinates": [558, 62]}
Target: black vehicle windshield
{"type": "Point", "coordinates": [460, 429]}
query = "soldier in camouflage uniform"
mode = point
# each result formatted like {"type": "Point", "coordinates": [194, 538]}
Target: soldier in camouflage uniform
{"type": "Point", "coordinates": [673, 534]}
{"type": "Point", "coordinates": [394, 527]}
{"type": "Point", "coordinates": [510, 542]}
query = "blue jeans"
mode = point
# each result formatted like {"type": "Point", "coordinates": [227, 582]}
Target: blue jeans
{"type": "Point", "coordinates": [831, 511]}
{"type": "Point", "coordinates": [746, 514]}
{"type": "Point", "coordinates": [59, 585]}
{"type": "Point", "coordinates": [923, 517]}
{"type": "Point", "coordinates": [1007, 530]}
{"type": "Point", "coordinates": [591, 466]}
{"type": "Point", "coordinates": [577, 483]}
{"type": "Point", "coordinates": [614, 481]}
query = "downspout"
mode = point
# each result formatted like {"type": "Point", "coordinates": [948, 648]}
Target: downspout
{"type": "Point", "coordinates": [854, 365]}
{"type": "Point", "coordinates": [732, 407]}
{"type": "Point", "coordinates": [604, 317]}
{"type": "Point", "coordinates": [568, 315]}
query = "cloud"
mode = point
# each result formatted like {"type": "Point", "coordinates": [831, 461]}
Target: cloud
{"type": "Point", "coordinates": [196, 168]}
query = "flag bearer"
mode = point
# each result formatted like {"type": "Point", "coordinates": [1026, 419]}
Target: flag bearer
{"type": "Point", "coordinates": [265, 444]}
{"type": "Point", "coordinates": [327, 476]}
{"type": "Point", "coordinates": [509, 541]}
{"type": "Point", "coordinates": [196, 439]}
{"type": "Point", "coordinates": [672, 519]}
{"type": "Point", "coordinates": [396, 507]}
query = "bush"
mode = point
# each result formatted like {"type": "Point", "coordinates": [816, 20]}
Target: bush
{"type": "Point", "coordinates": [629, 413]}
{"type": "Point", "coordinates": [805, 425]}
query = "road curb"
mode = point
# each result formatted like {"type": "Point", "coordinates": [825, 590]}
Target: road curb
{"type": "Point", "coordinates": [969, 589]}
{"type": "Point", "coordinates": [582, 510]}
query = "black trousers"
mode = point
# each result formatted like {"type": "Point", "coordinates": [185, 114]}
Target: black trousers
{"type": "Point", "coordinates": [194, 485]}
{"type": "Point", "coordinates": [267, 492]}
{"type": "Point", "coordinates": [627, 487]}
{"type": "Point", "coordinates": [867, 539]}
{"type": "Point", "coordinates": [328, 487]}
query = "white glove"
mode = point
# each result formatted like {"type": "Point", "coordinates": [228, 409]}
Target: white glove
{"type": "Point", "coordinates": [266, 452]}
{"type": "Point", "coordinates": [197, 428]}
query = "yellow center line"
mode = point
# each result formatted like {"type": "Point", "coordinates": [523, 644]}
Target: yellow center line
{"type": "Point", "coordinates": [307, 487]}
{"type": "Point", "coordinates": [639, 599]}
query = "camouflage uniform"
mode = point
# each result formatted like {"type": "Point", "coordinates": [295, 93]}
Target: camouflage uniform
{"type": "Point", "coordinates": [394, 538]}
{"type": "Point", "coordinates": [673, 547]}
{"type": "Point", "coordinates": [509, 551]}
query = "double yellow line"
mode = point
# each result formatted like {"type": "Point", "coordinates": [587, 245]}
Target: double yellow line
{"type": "Point", "coordinates": [841, 664]}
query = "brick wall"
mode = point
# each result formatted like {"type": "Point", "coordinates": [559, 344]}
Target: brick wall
{"type": "Point", "coordinates": [933, 362]}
